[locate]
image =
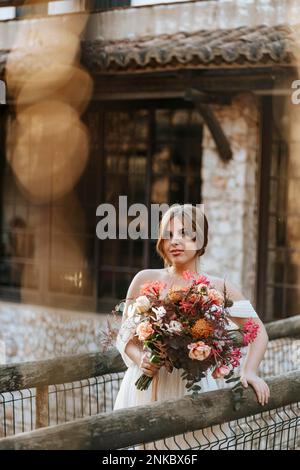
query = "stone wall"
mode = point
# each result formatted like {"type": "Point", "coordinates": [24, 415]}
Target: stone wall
{"type": "Point", "coordinates": [30, 333]}
{"type": "Point", "coordinates": [171, 18]}
{"type": "Point", "coordinates": [230, 195]}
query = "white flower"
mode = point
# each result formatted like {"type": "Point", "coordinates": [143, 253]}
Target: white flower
{"type": "Point", "coordinates": [214, 308]}
{"type": "Point", "coordinates": [160, 312]}
{"type": "Point", "coordinates": [131, 310]}
{"type": "Point", "coordinates": [202, 289]}
{"type": "Point", "coordinates": [132, 314]}
{"type": "Point", "coordinates": [174, 327]}
{"type": "Point", "coordinates": [213, 312]}
{"type": "Point", "coordinates": [142, 304]}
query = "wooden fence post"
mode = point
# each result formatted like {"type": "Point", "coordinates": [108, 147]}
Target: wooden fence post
{"type": "Point", "coordinates": [42, 410]}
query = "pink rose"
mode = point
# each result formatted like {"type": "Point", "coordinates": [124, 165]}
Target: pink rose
{"type": "Point", "coordinates": [221, 372]}
{"type": "Point", "coordinates": [215, 297]}
{"type": "Point", "coordinates": [199, 351]}
{"type": "Point", "coordinates": [144, 330]}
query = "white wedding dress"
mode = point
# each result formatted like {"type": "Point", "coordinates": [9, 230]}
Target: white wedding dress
{"type": "Point", "coordinates": [170, 385]}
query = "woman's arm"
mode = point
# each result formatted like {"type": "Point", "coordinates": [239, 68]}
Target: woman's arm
{"type": "Point", "coordinates": [134, 348]}
{"type": "Point", "coordinates": [257, 348]}
{"type": "Point", "coordinates": [255, 352]}
{"type": "Point", "coordinates": [254, 356]}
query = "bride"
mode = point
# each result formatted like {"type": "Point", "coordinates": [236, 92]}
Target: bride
{"type": "Point", "coordinates": [180, 252]}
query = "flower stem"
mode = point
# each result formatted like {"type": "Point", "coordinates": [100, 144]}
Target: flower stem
{"type": "Point", "coordinates": [143, 382]}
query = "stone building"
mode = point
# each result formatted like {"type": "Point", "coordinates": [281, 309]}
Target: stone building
{"type": "Point", "coordinates": [191, 103]}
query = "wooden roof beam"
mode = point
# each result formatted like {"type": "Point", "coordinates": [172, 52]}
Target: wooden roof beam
{"type": "Point", "coordinates": [210, 119]}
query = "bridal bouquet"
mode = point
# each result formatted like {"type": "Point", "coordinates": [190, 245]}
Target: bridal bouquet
{"type": "Point", "coordinates": [187, 329]}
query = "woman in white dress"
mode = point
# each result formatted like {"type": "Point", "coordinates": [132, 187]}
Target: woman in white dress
{"type": "Point", "coordinates": [179, 248]}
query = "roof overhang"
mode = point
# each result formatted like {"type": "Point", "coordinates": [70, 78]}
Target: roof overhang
{"type": "Point", "coordinates": [239, 48]}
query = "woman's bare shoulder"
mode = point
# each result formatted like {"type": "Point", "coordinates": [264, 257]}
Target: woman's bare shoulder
{"type": "Point", "coordinates": [151, 274]}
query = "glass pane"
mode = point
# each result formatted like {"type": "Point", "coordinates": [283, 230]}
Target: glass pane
{"type": "Point", "coordinates": [293, 301]}
{"type": "Point", "coordinates": [292, 232]}
{"type": "Point", "coordinates": [73, 281]}
{"type": "Point", "coordinates": [30, 276]}
{"type": "Point", "coordinates": [272, 232]}
{"type": "Point", "coordinates": [279, 267]}
{"type": "Point", "coordinates": [275, 159]}
{"type": "Point", "coordinates": [278, 307]}
{"type": "Point", "coordinates": [160, 189]}
{"type": "Point", "coordinates": [177, 190]}
{"type": "Point", "coordinates": [15, 274]}
{"type": "Point", "coordinates": [269, 312]}
{"type": "Point", "coordinates": [280, 231]}
{"type": "Point", "coordinates": [108, 249]}
{"type": "Point", "coordinates": [161, 159]}
{"type": "Point", "coordinates": [294, 161]}
{"type": "Point", "coordinates": [293, 195]}
{"type": "Point", "coordinates": [137, 248]}
{"type": "Point", "coordinates": [155, 261]}
{"type": "Point", "coordinates": [122, 284]}
{"type": "Point", "coordinates": [122, 248]}
{"type": "Point", "coordinates": [194, 190]}
{"type": "Point", "coordinates": [106, 281]}
{"type": "Point", "coordinates": [163, 126]}
{"type": "Point", "coordinates": [293, 268]}
{"type": "Point", "coordinates": [273, 196]}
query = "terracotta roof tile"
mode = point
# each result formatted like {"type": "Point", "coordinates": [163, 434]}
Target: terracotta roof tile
{"type": "Point", "coordinates": [244, 45]}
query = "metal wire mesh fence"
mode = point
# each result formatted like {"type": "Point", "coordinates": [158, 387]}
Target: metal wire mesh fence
{"type": "Point", "coordinates": [17, 412]}
{"type": "Point", "coordinates": [66, 402]}
{"type": "Point", "coordinates": [277, 429]}
{"type": "Point", "coordinates": [274, 429]}
{"type": "Point", "coordinates": [282, 355]}
{"type": "Point", "coordinates": [83, 398]}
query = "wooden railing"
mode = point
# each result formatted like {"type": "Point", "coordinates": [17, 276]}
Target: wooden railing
{"type": "Point", "coordinates": [144, 424]}
{"type": "Point", "coordinates": [41, 374]}
{"type": "Point", "coordinates": [65, 369]}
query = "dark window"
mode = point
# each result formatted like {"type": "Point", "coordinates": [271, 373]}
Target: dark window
{"type": "Point", "coordinates": [40, 9]}
{"type": "Point", "coordinates": [152, 157]}
{"type": "Point", "coordinates": [50, 253]}
{"type": "Point", "coordinates": [102, 5]}
{"type": "Point", "coordinates": [280, 294]}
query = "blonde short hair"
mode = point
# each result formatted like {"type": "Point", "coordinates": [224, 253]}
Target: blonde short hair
{"type": "Point", "coordinates": [193, 215]}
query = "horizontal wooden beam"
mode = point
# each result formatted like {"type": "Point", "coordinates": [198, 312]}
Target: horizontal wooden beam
{"type": "Point", "coordinates": [221, 86]}
{"type": "Point", "coordinates": [128, 427]}
{"type": "Point", "coordinates": [157, 95]}
{"type": "Point", "coordinates": [63, 369]}
{"type": "Point", "coordinates": [287, 327]}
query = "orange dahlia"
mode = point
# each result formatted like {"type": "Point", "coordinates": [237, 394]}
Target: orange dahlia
{"type": "Point", "coordinates": [176, 293]}
{"type": "Point", "coordinates": [202, 327]}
